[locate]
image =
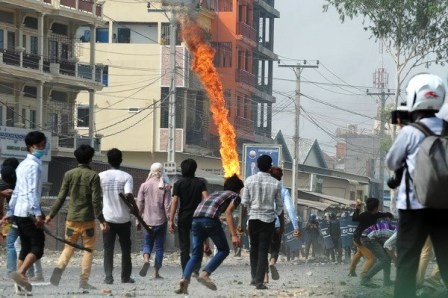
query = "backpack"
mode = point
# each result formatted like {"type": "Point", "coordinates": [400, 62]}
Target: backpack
{"type": "Point", "coordinates": [431, 169]}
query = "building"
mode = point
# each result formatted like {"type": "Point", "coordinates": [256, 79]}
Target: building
{"type": "Point", "coordinates": [41, 75]}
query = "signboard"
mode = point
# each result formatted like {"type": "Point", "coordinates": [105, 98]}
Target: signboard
{"type": "Point", "coordinates": [251, 152]}
{"type": "Point", "coordinates": [12, 143]}
{"type": "Point", "coordinates": [325, 232]}
{"type": "Point", "coordinates": [294, 244]}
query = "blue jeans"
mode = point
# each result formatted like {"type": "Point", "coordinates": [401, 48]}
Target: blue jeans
{"type": "Point", "coordinates": [11, 255]}
{"type": "Point", "coordinates": [158, 238]}
{"type": "Point", "coordinates": [202, 229]}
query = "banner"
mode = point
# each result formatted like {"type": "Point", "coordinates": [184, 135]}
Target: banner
{"type": "Point", "coordinates": [251, 152]}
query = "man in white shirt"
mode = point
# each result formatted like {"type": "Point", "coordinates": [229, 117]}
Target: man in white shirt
{"type": "Point", "coordinates": [25, 207]}
{"type": "Point", "coordinates": [117, 215]}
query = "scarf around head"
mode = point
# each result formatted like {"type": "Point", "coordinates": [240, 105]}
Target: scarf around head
{"type": "Point", "coordinates": [157, 171]}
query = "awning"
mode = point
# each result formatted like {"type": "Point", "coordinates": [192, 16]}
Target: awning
{"type": "Point", "coordinates": [321, 206]}
{"type": "Point", "coordinates": [341, 202]}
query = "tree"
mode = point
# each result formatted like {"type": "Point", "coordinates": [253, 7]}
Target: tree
{"type": "Point", "coordinates": [413, 32]}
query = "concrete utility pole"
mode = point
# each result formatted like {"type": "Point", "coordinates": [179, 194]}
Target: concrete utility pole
{"type": "Point", "coordinates": [381, 82]}
{"type": "Point", "coordinates": [297, 68]}
{"type": "Point", "coordinates": [170, 166]}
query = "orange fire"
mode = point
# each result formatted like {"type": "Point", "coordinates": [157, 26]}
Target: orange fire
{"type": "Point", "coordinates": [202, 64]}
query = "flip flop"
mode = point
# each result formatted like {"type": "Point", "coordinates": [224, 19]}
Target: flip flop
{"type": "Point", "coordinates": [144, 269]}
{"type": "Point", "coordinates": [274, 272]}
{"type": "Point", "coordinates": [21, 281]}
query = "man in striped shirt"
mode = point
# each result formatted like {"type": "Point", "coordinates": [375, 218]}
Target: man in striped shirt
{"type": "Point", "coordinates": [262, 199]}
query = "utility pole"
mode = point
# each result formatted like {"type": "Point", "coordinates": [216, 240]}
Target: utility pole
{"type": "Point", "coordinates": [297, 68]}
{"type": "Point", "coordinates": [170, 165]}
{"type": "Point", "coordinates": [380, 81]}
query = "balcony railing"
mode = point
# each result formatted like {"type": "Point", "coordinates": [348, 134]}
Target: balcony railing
{"type": "Point", "coordinates": [88, 6]}
{"type": "Point", "coordinates": [73, 142]}
{"type": "Point", "coordinates": [31, 61]}
{"type": "Point", "coordinates": [245, 77]}
{"type": "Point", "coordinates": [245, 125]}
{"type": "Point", "coordinates": [247, 31]}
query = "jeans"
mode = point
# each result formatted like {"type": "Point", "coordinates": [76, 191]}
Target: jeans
{"type": "Point", "coordinates": [382, 259]}
{"type": "Point", "coordinates": [414, 227]}
{"type": "Point", "coordinates": [184, 232]}
{"type": "Point", "coordinates": [123, 230]}
{"type": "Point", "coordinates": [204, 228]}
{"type": "Point", "coordinates": [157, 238]}
{"type": "Point", "coordinates": [74, 230]}
{"type": "Point", "coordinates": [11, 254]}
{"type": "Point", "coordinates": [260, 235]}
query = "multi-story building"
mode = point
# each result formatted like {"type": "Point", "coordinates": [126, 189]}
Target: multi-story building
{"type": "Point", "coordinates": [40, 74]}
{"type": "Point", "coordinates": [134, 44]}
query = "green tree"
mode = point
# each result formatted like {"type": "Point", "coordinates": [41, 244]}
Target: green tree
{"type": "Point", "coordinates": [413, 32]}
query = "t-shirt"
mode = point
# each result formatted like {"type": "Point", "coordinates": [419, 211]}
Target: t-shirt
{"type": "Point", "coordinates": [189, 190]}
{"type": "Point", "coordinates": [366, 219]}
{"type": "Point", "coordinates": [216, 203]}
{"type": "Point", "coordinates": [113, 182]}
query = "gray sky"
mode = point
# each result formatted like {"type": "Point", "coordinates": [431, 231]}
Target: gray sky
{"type": "Point", "coordinates": [304, 31]}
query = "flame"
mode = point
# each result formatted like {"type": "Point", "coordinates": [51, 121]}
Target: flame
{"type": "Point", "coordinates": [202, 64]}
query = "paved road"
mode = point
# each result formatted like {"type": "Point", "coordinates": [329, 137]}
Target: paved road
{"type": "Point", "coordinates": [232, 278]}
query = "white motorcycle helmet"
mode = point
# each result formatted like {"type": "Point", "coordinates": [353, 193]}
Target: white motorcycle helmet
{"type": "Point", "coordinates": [425, 92]}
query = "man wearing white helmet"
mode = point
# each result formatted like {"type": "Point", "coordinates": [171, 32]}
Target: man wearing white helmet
{"type": "Point", "coordinates": [425, 96]}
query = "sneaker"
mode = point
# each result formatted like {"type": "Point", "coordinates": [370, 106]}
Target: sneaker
{"type": "Point", "coordinates": [183, 287]}
{"type": "Point", "coordinates": [261, 287]}
{"type": "Point", "coordinates": [274, 272]}
{"type": "Point", "coordinates": [206, 281]}
{"type": "Point", "coordinates": [144, 269]}
{"type": "Point", "coordinates": [369, 284]}
{"type": "Point", "coordinates": [86, 286]}
{"type": "Point", "coordinates": [108, 281]}
{"type": "Point", "coordinates": [130, 280]}
{"type": "Point", "coordinates": [21, 281]}
{"type": "Point", "coordinates": [56, 276]}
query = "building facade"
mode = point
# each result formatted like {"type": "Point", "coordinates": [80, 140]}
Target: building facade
{"type": "Point", "coordinates": [41, 75]}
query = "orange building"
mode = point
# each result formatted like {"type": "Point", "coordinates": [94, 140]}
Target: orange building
{"type": "Point", "coordinates": [242, 33]}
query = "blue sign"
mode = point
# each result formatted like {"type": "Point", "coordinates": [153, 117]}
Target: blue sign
{"type": "Point", "coordinates": [253, 151]}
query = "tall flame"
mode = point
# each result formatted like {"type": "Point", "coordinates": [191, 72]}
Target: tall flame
{"type": "Point", "coordinates": [202, 64]}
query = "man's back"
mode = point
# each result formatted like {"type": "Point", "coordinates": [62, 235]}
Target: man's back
{"type": "Point", "coordinates": [189, 190]}
{"type": "Point", "coordinates": [113, 182]}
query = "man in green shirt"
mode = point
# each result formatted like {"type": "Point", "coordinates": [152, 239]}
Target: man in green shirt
{"type": "Point", "coordinates": [82, 185]}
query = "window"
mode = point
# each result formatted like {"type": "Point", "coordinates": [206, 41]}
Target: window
{"type": "Point", "coordinates": [6, 17]}
{"type": "Point", "coordinates": [228, 99]}
{"type": "Point", "coordinates": [30, 91]}
{"type": "Point", "coordinates": [6, 88]}
{"type": "Point", "coordinates": [134, 110]}
{"type": "Point", "coordinates": [247, 108]}
{"type": "Point", "coordinates": [53, 51]}
{"type": "Point", "coordinates": [24, 41]}
{"type": "Point", "coordinates": [102, 35]}
{"type": "Point", "coordinates": [225, 5]}
{"type": "Point", "coordinates": [2, 39]}
{"type": "Point", "coordinates": [124, 35]}
{"type": "Point", "coordinates": [1, 115]}
{"type": "Point", "coordinates": [223, 56]}
{"type": "Point", "coordinates": [60, 29]}
{"type": "Point", "coordinates": [64, 51]}
{"type": "Point", "coordinates": [34, 45]}
{"type": "Point", "coordinates": [59, 96]}
{"type": "Point", "coordinates": [33, 118]}
{"type": "Point", "coordinates": [30, 22]}
{"type": "Point", "coordinates": [10, 116]}
{"type": "Point", "coordinates": [23, 119]}
{"type": "Point", "coordinates": [239, 105]}
{"type": "Point", "coordinates": [11, 41]}
{"type": "Point", "coordinates": [65, 124]}
{"type": "Point", "coordinates": [83, 116]}
{"type": "Point", "coordinates": [53, 122]}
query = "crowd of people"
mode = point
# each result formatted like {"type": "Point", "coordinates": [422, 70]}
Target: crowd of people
{"type": "Point", "coordinates": [186, 207]}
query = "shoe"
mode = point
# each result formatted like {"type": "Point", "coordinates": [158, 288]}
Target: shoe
{"type": "Point", "coordinates": [261, 287]}
{"type": "Point", "coordinates": [86, 286]}
{"type": "Point", "coordinates": [195, 274]}
{"type": "Point", "coordinates": [37, 278]}
{"type": "Point", "coordinates": [158, 276]}
{"type": "Point", "coordinates": [21, 281]}
{"type": "Point", "coordinates": [353, 273]}
{"type": "Point", "coordinates": [434, 282]}
{"type": "Point", "coordinates": [56, 276]}
{"type": "Point", "coordinates": [108, 281]}
{"type": "Point", "coordinates": [206, 281]}
{"type": "Point", "coordinates": [252, 282]}
{"type": "Point", "coordinates": [274, 272]}
{"type": "Point", "coordinates": [144, 269]}
{"type": "Point", "coordinates": [183, 287]}
{"type": "Point", "coordinates": [388, 283]}
{"type": "Point", "coordinates": [369, 284]}
{"type": "Point", "coordinates": [130, 280]}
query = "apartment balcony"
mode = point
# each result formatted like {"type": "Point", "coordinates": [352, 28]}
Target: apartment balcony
{"type": "Point", "coordinates": [82, 5]}
{"type": "Point", "coordinates": [247, 31]}
{"type": "Point", "coordinates": [244, 128]}
{"type": "Point", "coordinates": [268, 7]}
{"type": "Point", "coordinates": [245, 77]}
